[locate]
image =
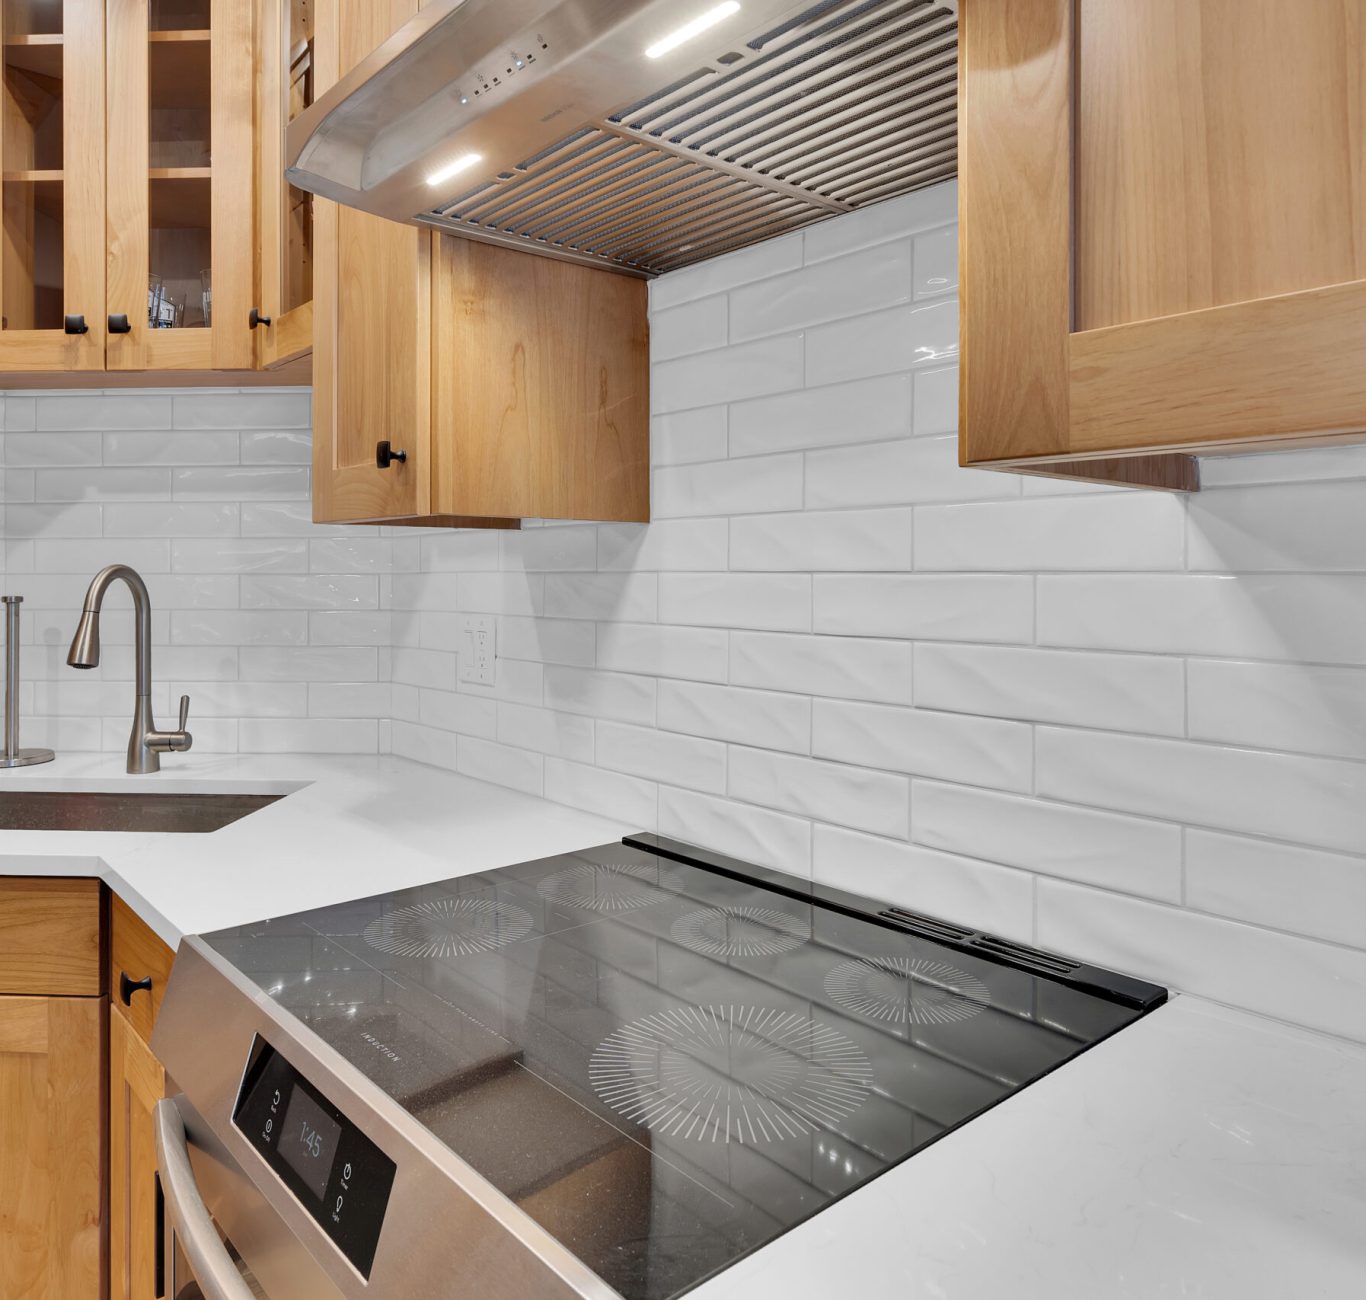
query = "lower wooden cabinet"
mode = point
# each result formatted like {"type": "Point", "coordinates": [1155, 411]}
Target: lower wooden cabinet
{"type": "Point", "coordinates": [51, 1112]}
{"type": "Point", "coordinates": [136, 1083]}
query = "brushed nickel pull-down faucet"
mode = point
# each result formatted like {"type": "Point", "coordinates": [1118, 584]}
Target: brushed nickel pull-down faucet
{"type": "Point", "coordinates": [146, 743]}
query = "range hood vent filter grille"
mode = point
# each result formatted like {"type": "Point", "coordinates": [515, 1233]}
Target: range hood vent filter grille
{"type": "Point", "coordinates": [852, 102]}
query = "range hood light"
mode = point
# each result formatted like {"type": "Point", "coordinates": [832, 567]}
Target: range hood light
{"type": "Point", "coordinates": [700, 24]}
{"type": "Point", "coordinates": [455, 168]}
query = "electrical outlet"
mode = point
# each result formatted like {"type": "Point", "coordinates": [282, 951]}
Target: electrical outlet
{"type": "Point", "coordinates": [479, 653]}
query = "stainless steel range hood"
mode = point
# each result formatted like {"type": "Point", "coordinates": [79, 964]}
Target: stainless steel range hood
{"type": "Point", "coordinates": [569, 128]}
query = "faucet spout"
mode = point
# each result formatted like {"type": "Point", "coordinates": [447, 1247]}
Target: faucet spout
{"type": "Point", "coordinates": [146, 743]}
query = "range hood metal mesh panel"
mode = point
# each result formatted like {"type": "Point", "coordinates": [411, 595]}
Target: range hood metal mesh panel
{"type": "Point", "coordinates": [852, 102]}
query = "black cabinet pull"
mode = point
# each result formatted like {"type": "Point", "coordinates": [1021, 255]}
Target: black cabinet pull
{"type": "Point", "coordinates": [128, 987]}
{"type": "Point", "coordinates": [76, 325]}
{"type": "Point", "coordinates": [254, 318]}
{"type": "Point", "coordinates": [385, 455]}
{"type": "Point", "coordinates": [118, 324]}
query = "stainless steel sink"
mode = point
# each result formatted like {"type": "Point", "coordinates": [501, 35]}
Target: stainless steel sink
{"type": "Point", "coordinates": [181, 814]}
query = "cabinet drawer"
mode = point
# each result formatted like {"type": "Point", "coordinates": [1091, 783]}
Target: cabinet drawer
{"type": "Point", "coordinates": [50, 936]}
{"type": "Point", "coordinates": [136, 953]}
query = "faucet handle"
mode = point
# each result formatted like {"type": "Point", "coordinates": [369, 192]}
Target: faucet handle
{"type": "Point", "coordinates": [184, 712]}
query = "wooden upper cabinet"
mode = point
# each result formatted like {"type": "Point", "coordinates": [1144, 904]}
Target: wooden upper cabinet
{"type": "Point", "coordinates": [514, 386]}
{"type": "Point", "coordinates": [180, 96]}
{"type": "Point", "coordinates": [52, 161]}
{"type": "Point", "coordinates": [286, 84]}
{"type": "Point", "coordinates": [1162, 217]}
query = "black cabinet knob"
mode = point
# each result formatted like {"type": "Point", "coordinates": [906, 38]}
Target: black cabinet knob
{"type": "Point", "coordinates": [76, 325]}
{"type": "Point", "coordinates": [118, 324]}
{"type": "Point", "coordinates": [385, 455]}
{"type": "Point", "coordinates": [127, 987]}
{"type": "Point", "coordinates": [254, 318]}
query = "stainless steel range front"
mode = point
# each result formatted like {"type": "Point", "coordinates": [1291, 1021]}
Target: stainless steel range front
{"type": "Point", "coordinates": [608, 1073]}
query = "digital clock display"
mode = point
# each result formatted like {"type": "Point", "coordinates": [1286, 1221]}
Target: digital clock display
{"type": "Point", "coordinates": [308, 1141]}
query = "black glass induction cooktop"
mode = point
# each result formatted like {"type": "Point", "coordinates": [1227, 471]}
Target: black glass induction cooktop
{"type": "Point", "coordinates": [668, 1058]}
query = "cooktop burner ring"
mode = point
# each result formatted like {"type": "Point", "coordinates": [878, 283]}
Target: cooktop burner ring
{"type": "Point", "coordinates": [743, 1074]}
{"type": "Point", "coordinates": [907, 990]}
{"type": "Point", "coordinates": [740, 931]}
{"type": "Point", "coordinates": [604, 886]}
{"type": "Point", "coordinates": [448, 927]}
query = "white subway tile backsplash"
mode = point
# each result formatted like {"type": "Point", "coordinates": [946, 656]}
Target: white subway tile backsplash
{"type": "Point", "coordinates": [769, 600]}
{"type": "Point", "coordinates": [630, 596]}
{"type": "Point", "coordinates": [564, 735]}
{"type": "Point", "coordinates": [1281, 886]}
{"type": "Point", "coordinates": [935, 607]}
{"type": "Point", "coordinates": [1135, 531]}
{"type": "Point", "coordinates": [727, 374]}
{"type": "Point", "coordinates": [861, 411]}
{"type": "Point", "coordinates": [232, 555]}
{"type": "Point", "coordinates": [842, 793]}
{"type": "Point", "coordinates": [935, 408]}
{"type": "Point", "coordinates": [619, 696]}
{"type": "Point", "coordinates": [1293, 617]}
{"type": "Point", "coordinates": [842, 667]}
{"type": "Point", "coordinates": [594, 789]}
{"type": "Point", "coordinates": [241, 483]}
{"type": "Point", "coordinates": [1279, 706]}
{"type": "Point", "coordinates": [952, 747]}
{"type": "Point", "coordinates": [720, 274]}
{"type": "Point", "coordinates": [690, 327]}
{"type": "Point", "coordinates": [277, 447]}
{"type": "Point", "coordinates": [314, 591]}
{"type": "Point", "coordinates": [280, 409]}
{"type": "Point", "coordinates": [669, 544]}
{"type": "Point", "coordinates": [688, 761]}
{"type": "Point", "coordinates": [689, 436]}
{"type": "Point", "coordinates": [143, 483]}
{"type": "Point", "coordinates": [882, 342]}
{"type": "Point", "coordinates": [502, 764]}
{"type": "Point", "coordinates": [844, 286]}
{"type": "Point", "coordinates": [1289, 527]}
{"type": "Point", "coordinates": [104, 411]}
{"type": "Point", "coordinates": [744, 831]}
{"type": "Point", "coordinates": [1316, 801]}
{"type": "Point", "coordinates": [728, 486]}
{"type": "Point", "coordinates": [699, 654]}
{"type": "Point", "coordinates": [1053, 839]}
{"type": "Point", "coordinates": [850, 540]}
{"type": "Point", "coordinates": [767, 719]}
{"type": "Point", "coordinates": [209, 519]}
{"type": "Point", "coordinates": [936, 262]}
{"type": "Point", "coordinates": [1139, 693]}
{"type": "Point", "coordinates": [53, 449]}
{"type": "Point", "coordinates": [879, 474]}
{"type": "Point", "coordinates": [167, 447]}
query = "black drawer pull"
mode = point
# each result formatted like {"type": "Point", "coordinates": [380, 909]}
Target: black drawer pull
{"type": "Point", "coordinates": [128, 987]}
{"type": "Point", "coordinates": [385, 455]}
{"type": "Point", "coordinates": [76, 325]}
{"type": "Point", "coordinates": [118, 324]}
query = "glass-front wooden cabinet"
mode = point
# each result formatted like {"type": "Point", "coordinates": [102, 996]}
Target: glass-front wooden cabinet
{"type": "Point", "coordinates": [52, 192]}
{"type": "Point", "coordinates": [288, 80]}
{"type": "Point", "coordinates": [180, 111]}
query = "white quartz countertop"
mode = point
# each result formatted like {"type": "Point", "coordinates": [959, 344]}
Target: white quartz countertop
{"type": "Point", "coordinates": [348, 827]}
{"type": "Point", "coordinates": [1201, 1153]}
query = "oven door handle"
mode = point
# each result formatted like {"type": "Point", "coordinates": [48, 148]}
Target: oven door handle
{"type": "Point", "coordinates": [214, 1269]}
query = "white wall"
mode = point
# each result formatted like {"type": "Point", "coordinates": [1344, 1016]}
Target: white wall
{"type": "Point", "coordinates": [271, 625]}
{"type": "Point", "coordinates": [1124, 725]}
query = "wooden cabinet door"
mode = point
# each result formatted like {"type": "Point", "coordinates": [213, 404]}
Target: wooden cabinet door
{"type": "Point", "coordinates": [540, 378]}
{"type": "Point", "coordinates": [372, 332]}
{"type": "Point", "coordinates": [1162, 205]}
{"type": "Point", "coordinates": [51, 1107]}
{"type": "Point", "coordinates": [136, 1083]}
{"type": "Point", "coordinates": [52, 163]}
{"type": "Point", "coordinates": [181, 251]}
{"type": "Point", "coordinates": [286, 84]}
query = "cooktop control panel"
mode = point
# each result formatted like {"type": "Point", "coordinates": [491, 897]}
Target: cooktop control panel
{"type": "Point", "coordinates": [339, 1176]}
